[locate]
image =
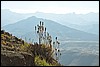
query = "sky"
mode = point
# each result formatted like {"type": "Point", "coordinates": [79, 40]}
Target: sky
{"type": "Point", "coordinates": [58, 7]}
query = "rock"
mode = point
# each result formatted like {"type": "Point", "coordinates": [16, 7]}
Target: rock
{"type": "Point", "coordinates": [12, 58]}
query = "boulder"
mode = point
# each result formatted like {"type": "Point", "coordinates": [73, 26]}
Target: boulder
{"type": "Point", "coordinates": [12, 58]}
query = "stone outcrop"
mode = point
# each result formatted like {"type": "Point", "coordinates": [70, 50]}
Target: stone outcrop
{"type": "Point", "coordinates": [12, 58]}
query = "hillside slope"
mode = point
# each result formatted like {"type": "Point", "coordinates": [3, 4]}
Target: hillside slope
{"type": "Point", "coordinates": [17, 52]}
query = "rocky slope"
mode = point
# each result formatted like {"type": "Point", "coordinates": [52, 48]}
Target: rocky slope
{"type": "Point", "coordinates": [17, 52]}
{"type": "Point", "coordinates": [12, 58]}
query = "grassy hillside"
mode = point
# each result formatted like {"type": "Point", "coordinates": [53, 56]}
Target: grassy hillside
{"type": "Point", "coordinates": [15, 50]}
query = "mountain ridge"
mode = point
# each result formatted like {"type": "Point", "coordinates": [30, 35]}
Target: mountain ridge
{"type": "Point", "coordinates": [29, 23]}
{"type": "Point", "coordinates": [72, 20]}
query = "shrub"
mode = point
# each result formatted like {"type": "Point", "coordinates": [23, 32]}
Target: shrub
{"type": "Point", "coordinates": [41, 62]}
{"type": "Point", "coordinates": [3, 42]}
{"type": "Point", "coordinates": [25, 47]}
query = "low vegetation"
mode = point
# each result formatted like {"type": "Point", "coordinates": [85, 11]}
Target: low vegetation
{"type": "Point", "coordinates": [42, 53]}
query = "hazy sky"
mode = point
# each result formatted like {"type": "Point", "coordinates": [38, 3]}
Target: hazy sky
{"type": "Point", "coordinates": [59, 7]}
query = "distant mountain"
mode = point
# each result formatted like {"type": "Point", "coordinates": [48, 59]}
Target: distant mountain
{"type": "Point", "coordinates": [71, 18]}
{"type": "Point", "coordinates": [90, 28]}
{"type": "Point", "coordinates": [74, 20]}
{"type": "Point", "coordinates": [8, 17]}
{"type": "Point", "coordinates": [25, 28]}
{"type": "Point", "coordinates": [83, 22]}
